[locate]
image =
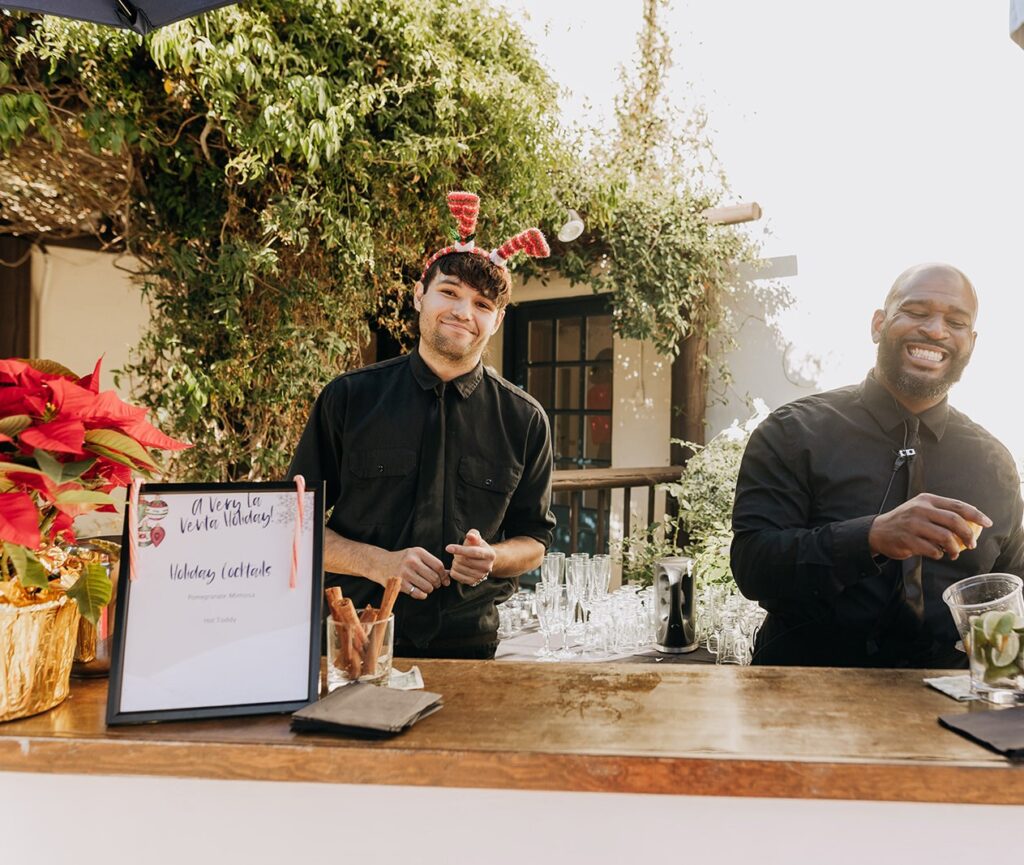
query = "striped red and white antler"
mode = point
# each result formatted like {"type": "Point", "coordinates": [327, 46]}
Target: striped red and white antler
{"type": "Point", "coordinates": [465, 207]}
{"type": "Point", "coordinates": [531, 242]}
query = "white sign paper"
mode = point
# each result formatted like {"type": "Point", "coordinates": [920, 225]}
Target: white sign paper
{"type": "Point", "coordinates": [211, 620]}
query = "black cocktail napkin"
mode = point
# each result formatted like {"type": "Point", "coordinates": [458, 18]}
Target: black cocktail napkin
{"type": "Point", "coordinates": [1002, 730]}
{"type": "Point", "coordinates": [366, 711]}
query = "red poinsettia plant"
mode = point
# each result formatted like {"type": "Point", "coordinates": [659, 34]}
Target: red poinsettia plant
{"type": "Point", "coordinates": [64, 448]}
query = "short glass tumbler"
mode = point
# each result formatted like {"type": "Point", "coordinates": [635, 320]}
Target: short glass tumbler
{"type": "Point", "coordinates": [989, 614]}
{"type": "Point", "coordinates": [359, 655]}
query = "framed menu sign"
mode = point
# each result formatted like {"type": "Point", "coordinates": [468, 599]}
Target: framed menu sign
{"type": "Point", "coordinates": [216, 619]}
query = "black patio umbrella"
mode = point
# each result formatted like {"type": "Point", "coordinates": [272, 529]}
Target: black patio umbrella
{"type": "Point", "coordinates": [140, 16]}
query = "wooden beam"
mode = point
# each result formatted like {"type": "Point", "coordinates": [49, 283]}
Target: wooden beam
{"type": "Point", "coordinates": [731, 214]}
{"type": "Point", "coordinates": [571, 480]}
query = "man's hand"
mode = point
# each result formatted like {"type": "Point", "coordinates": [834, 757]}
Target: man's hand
{"type": "Point", "coordinates": [473, 559]}
{"type": "Point", "coordinates": [926, 525]}
{"type": "Point", "coordinates": [420, 572]}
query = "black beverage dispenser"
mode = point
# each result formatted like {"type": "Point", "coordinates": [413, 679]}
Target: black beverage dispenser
{"type": "Point", "coordinates": [677, 612]}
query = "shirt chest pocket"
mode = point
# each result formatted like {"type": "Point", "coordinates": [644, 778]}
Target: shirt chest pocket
{"type": "Point", "coordinates": [380, 486]}
{"type": "Point", "coordinates": [483, 492]}
{"type": "Point", "coordinates": [383, 464]}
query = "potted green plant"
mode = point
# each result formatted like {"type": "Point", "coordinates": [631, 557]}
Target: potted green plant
{"type": "Point", "coordinates": [65, 447]}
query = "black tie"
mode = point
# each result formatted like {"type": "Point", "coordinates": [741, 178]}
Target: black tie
{"type": "Point", "coordinates": [912, 606]}
{"type": "Point", "coordinates": [421, 619]}
{"type": "Point", "coordinates": [429, 521]}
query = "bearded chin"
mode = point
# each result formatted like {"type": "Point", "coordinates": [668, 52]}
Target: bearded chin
{"type": "Point", "coordinates": [890, 362]}
{"type": "Point", "coordinates": [447, 348]}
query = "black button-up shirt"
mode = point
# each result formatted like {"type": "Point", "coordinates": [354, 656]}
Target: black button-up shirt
{"type": "Point", "coordinates": [813, 478]}
{"type": "Point", "coordinates": [369, 438]}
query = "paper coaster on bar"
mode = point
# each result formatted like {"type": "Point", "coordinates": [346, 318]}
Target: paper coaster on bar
{"type": "Point", "coordinates": [366, 711]}
{"type": "Point", "coordinates": [957, 687]}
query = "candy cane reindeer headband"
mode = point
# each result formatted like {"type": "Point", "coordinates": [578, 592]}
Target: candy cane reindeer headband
{"type": "Point", "coordinates": [465, 207]}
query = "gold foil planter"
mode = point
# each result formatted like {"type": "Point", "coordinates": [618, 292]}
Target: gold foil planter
{"type": "Point", "coordinates": [37, 645]}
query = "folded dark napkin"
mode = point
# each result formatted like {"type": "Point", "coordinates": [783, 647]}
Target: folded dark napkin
{"type": "Point", "coordinates": [366, 711]}
{"type": "Point", "coordinates": [1002, 730]}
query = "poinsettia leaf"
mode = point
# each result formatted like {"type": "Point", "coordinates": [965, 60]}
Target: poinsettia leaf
{"type": "Point", "coordinates": [29, 569]}
{"type": "Point", "coordinates": [84, 497]}
{"type": "Point", "coordinates": [113, 456]}
{"type": "Point", "coordinates": [91, 591]}
{"type": "Point", "coordinates": [49, 464]}
{"type": "Point", "coordinates": [115, 441]}
{"type": "Point", "coordinates": [64, 435]}
{"type": "Point", "coordinates": [51, 367]}
{"type": "Point", "coordinates": [16, 553]}
{"type": "Point", "coordinates": [19, 519]}
{"type": "Point", "coordinates": [73, 471]}
{"type": "Point", "coordinates": [14, 466]}
{"type": "Point", "coordinates": [109, 410]}
{"type": "Point", "coordinates": [72, 400]}
{"type": "Point", "coordinates": [92, 381]}
{"type": "Point", "coordinates": [14, 424]}
{"type": "Point", "coordinates": [29, 481]}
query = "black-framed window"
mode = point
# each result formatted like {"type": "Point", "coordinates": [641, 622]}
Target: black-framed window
{"type": "Point", "coordinates": [560, 351]}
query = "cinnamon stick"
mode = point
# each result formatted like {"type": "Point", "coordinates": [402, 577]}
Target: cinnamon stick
{"type": "Point", "coordinates": [351, 636]}
{"type": "Point", "coordinates": [334, 599]}
{"type": "Point", "coordinates": [391, 589]}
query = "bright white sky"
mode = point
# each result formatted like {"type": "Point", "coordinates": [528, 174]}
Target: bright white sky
{"type": "Point", "coordinates": [874, 135]}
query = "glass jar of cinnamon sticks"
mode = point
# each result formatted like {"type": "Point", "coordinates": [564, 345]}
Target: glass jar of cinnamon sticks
{"type": "Point", "coordinates": [360, 644]}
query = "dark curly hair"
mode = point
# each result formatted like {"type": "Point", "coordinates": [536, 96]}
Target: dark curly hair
{"type": "Point", "coordinates": [493, 282]}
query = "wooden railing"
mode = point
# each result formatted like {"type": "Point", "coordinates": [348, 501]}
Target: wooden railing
{"type": "Point", "coordinates": [576, 481]}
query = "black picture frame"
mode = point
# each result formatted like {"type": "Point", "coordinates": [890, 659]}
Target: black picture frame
{"type": "Point", "coordinates": [116, 716]}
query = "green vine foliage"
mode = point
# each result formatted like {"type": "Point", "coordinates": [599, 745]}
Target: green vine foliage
{"type": "Point", "coordinates": [287, 162]}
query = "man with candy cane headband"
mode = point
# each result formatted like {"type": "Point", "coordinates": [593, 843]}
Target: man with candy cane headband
{"type": "Point", "coordinates": [438, 470]}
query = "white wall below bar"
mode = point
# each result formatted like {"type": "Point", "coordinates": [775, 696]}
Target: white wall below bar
{"type": "Point", "coordinates": [166, 821]}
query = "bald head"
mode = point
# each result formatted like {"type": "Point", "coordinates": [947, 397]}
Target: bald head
{"type": "Point", "coordinates": [925, 334]}
{"type": "Point", "coordinates": [919, 274]}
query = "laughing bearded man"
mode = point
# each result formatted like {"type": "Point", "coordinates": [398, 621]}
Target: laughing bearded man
{"type": "Point", "coordinates": [857, 507]}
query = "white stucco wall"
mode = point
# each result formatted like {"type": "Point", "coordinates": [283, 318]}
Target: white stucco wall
{"type": "Point", "coordinates": [764, 364]}
{"type": "Point", "coordinates": [84, 305]}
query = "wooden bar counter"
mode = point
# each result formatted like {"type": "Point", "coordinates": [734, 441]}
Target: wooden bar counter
{"type": "Point", "coordinates": [693, 730]}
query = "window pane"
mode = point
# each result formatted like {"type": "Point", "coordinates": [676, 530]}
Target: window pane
{"type": "Point", "coordinates": [598, 429]}
{"type": "Point", "coordinates": [567, 433]}
{"type": "Point", "coordinates": [567, 390]}
{"type": "Point", "coordinates": [569, 339]}
{"type": "Point", "coordinates": [540, 340]}
{"type": "Point", "coordinates": [599, 337]}
{"type": "Point", "coordinates": [599, 386]}
{"type": "Point", "coordinates": [539, 384]}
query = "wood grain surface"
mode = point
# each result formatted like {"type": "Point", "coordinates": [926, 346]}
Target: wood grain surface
{"type": "Point", "coordinates": [700, 730]}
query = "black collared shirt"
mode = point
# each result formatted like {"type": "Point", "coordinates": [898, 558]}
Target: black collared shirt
{"type": "Point", "coordinates": [365, 438]}
{"type": "Point", "coordinates": [812, 480]}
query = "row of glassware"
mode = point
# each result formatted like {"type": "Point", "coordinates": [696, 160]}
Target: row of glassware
{"type": "Point", "coordinates": [579, 617]}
